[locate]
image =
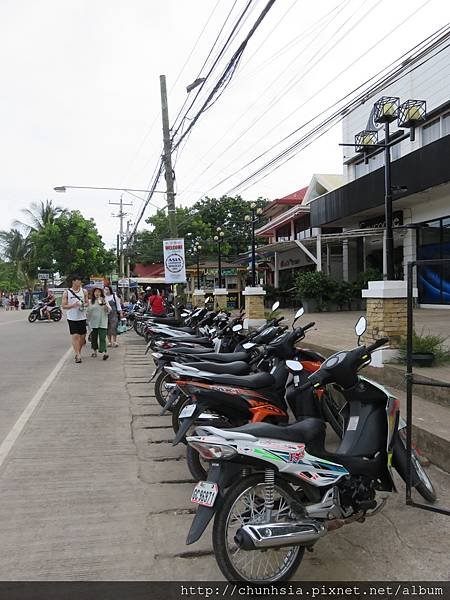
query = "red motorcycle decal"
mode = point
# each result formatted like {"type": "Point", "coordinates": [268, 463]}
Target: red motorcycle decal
{"type": "Point", "coordinates": [262, 410]}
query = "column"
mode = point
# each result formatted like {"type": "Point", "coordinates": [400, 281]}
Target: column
{"type": "Point", "coordinates": [345, 260]}
{"type": "Point", "coordinates": [276, 275]}
{"type": "Point", "coordinates": [386, 317]}
{"type": "Point", "coordinates": [254, 307]}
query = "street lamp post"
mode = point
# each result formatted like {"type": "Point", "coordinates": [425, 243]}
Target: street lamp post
{"type": "Point", "coordinates": [253, 219]}
{"type": "Point", "coordinates": [386, 110]}
{"type": "Point", "coordinates": [219, 239]}
{"type": "Point", "coordinates": [197, 249]}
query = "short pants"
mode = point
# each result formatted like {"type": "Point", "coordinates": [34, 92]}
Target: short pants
{"type": "Point", "coordinates": [78, 327]}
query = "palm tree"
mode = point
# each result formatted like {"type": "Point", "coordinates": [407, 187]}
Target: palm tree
{"type": "Point", "coordinates": [17, 249]}
{"type": "Point", "coordinates": [39, 215]}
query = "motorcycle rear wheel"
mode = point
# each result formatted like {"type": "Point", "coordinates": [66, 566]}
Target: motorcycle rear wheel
{"type": "Point", "coordinates": [161, 394]}
{"type": "Point", "coordinates": [244, 504]}
{"type": "Point", "coordinates": [56, 316]}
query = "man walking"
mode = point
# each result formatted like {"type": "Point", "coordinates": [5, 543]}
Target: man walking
{"type": "Point", "coordinates": [75, 301]}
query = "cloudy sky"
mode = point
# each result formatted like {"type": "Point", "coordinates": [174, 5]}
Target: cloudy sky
{"type": "Point", "coordinates": [80, 99]}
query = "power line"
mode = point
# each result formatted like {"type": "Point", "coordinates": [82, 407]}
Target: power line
{"type": "Point", "coordinates": [228, 72]}
{"type": "Point", "coordinates": [292, 150]}
{"type": "Point", "coordinates": [319, 92]}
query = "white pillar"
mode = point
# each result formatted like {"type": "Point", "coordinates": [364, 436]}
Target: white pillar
{"type": "Point", "coordinates": [328, 260]}
{"type": "Point", "coordinates": [409, 252]}
{"type": "Point", "coordinates": [319, 252]}
{"type": "Point", "coordinates": [276, 277]}
{"type": "Point", "coordinates": [345, 260]}
{"type": "Point", "coordinates": [364, 254]}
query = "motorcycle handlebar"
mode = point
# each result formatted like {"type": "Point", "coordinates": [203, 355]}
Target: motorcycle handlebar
{"type": "Point", "coordinates": [377, 344]}
{"type": "Point", "coordinates": [309, 326]}
{"type": "Point", "coordinates": [277, 321]}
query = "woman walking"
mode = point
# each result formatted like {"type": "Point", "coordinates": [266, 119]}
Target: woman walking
{"type": "Point", "coordinates": [114, 315]}
{"type": "Point", "coordinates": [98, 312]}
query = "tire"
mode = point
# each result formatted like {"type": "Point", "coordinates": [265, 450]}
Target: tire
{"type": "Point", "coordinates": [220, 535]}
{"type": "Point", "coordinates": [32, 317]}
{"type": "Point", "coordinates": [194, 463]}
{"type": "Point", "coordinates": [420, 480]}
{"type": "Point", "coordinates": [161, 393]}
{"type": "Point", "coordinates": [56, 316]}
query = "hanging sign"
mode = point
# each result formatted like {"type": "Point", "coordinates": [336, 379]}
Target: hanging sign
{"type": "Point", "coordinates": [174, 262]}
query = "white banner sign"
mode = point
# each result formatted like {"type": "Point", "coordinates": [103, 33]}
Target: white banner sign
{"type": "Point", "coordinates": [174, 262]}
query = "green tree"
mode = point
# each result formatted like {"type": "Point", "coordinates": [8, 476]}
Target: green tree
{"type": "Point", "coordinates": [72, 244]}
{"type": "Point", "coordinates": [200, 221]}
{"type": "Point", "coordinates": [9, 281]}
{"type": "Point", "coordinates": [39, 215]}
{"type": "Point", "coordinates": [16, 248]}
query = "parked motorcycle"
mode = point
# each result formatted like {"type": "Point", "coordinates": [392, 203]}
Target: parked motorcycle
{"type": "Point", "coordinates": [274, 491]}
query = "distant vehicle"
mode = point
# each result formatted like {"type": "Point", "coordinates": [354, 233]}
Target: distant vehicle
{"type": "Point", "coordinates": [37, 314]}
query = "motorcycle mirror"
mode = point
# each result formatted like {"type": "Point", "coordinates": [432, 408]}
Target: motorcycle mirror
{"type": "Point", "coordinates": [294, 365]}
{"type": "Point", "coordinates": [184, 314]}
{"type": "Point", "coordinates": [208, 300]}
{"type": "Point", "coordinates": [237, 327]}
{"type": "Point", "coordinates": [248, 345]}
{"type": "Point", "coordinates": [360, 327]}
{"type": "Point", "coordinates": [275, 305]}
{"type": "Point", "coordinates": [299, 313]}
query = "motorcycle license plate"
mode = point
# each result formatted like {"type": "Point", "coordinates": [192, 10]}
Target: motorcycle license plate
{"type": "Point", "coordinates": [187, 411]}
{"type": "Point", "coordinates": [205, 493]}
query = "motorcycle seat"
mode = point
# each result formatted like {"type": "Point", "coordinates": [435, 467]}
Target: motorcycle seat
{"type": "Point", "coordinates": [234, 368]}
{"type": "Point", "coordinates": [252, 382]}
{"type": "Point", "coordinates": [191, 340]}
{"type": "Point", "coordinates": [168, 321]}
{"type": "Point", "coordinates": [226, 357]}
{"type": "Point", "coordinates": [304, 431]}
{"type": "Point", "coordinates": [183, 350]}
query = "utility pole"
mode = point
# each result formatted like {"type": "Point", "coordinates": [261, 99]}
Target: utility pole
{"type": "Point", "coordinates": [169, 175]}
{"type": "Point", "coordinates": [121, 215]}
{"type": "Point", "coordinates": [168, 158]}
{"type": "Point", "coordinates": [127, 234]}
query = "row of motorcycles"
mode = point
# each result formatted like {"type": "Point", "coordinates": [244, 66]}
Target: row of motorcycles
{"type": "Point", "coordinates": [252, 409]}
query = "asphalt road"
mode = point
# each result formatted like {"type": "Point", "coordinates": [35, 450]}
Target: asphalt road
{"type": "Point", "coordinates": [28, 353]}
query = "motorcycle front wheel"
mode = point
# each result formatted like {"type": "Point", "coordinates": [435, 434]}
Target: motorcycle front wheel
{"type": "Point", "coordinates": [420, 480]}
{"type": "Point", "coordinates": [32, 317]}
{"type": "Point", "coordinates": [244, 505]}
{"type": "Point", "coordinates": [161, 394]}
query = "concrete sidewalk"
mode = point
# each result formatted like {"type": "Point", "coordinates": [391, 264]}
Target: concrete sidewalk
{"type": "Point", "coordinates": [94, 490]}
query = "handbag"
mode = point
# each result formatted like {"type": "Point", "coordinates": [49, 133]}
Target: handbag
{"type": "Point", "coordinates": [122, 326]}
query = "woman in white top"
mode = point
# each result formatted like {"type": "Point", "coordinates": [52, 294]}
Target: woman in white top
{"type": "Point", "coordinates": [114, 315]}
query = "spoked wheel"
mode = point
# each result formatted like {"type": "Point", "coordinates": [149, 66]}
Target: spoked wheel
{"type": "Point", "coordinates": [244, 505]}
{"type": "Point", "coordinates": [161, 393]}
{"type": "Point", "coordinates": [420, 479]}
{"type": "Point", "coordinates": [424, 485]}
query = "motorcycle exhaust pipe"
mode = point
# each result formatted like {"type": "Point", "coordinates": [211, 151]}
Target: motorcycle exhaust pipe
{"type": "Point", "coordinates": [273, 535]}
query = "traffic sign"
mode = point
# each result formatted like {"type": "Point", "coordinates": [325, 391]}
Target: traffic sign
{"type": "Point", "coordinates": [43, 276]}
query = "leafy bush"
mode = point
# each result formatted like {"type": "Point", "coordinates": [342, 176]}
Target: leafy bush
{"type": "Point", "coordinates": [428, 342]}
{"type": "Point", "coordinates": [363, 279]}
{"type": "Point", "coordinates": [343, 293]}
{"type": "Point", "coordinates": [313, 284]}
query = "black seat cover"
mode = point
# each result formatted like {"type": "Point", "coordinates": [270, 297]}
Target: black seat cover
{"type": "Point", "coordinates": [304, 431]}
{"type": "Point", "coordinates": [191, 339]}
{"type": "Point", "coordinates": [234, 368]}
{"type": "Point", "coordinates": [183, 350]}
{"type": "Point", "coordinates": [253, 382]}
{"type": "Point", "coordinates": [168, 321]}
{"type": "Point", "coordinates": [226, 357]}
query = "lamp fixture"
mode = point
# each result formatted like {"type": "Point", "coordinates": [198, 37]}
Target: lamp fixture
{"type": "Point", "coordinates": [386, 109]}
{"type": "Point", "coordinates": [411, 113]}
{"type": "Point", "coordinates": [366, 139]}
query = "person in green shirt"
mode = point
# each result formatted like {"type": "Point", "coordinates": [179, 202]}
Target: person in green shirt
{"type": "Point", "coordinates": [98, 320]}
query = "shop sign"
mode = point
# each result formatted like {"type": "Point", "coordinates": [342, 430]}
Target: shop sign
{"type": "Point", "coordinates": [43, 276]}
{"type": "Point", "coordinates": [174, 261]}
{"type": "Point", "coordinates": [380, 222]}
{"type": "Point", "coordinates": [225, 272]}
{"type": "Point", "coordinates": [124, 283]}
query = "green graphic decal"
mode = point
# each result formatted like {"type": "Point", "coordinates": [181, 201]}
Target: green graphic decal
{"type": "Point", "coordinates": [266, 454]}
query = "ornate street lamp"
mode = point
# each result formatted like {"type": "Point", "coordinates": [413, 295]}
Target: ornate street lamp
{"type": "Point", "coordinates": [253, 219]}
{"type": "Point", "coordinates": [386, 110]}
{"type": "Point", "coordinates": [219, 239]}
